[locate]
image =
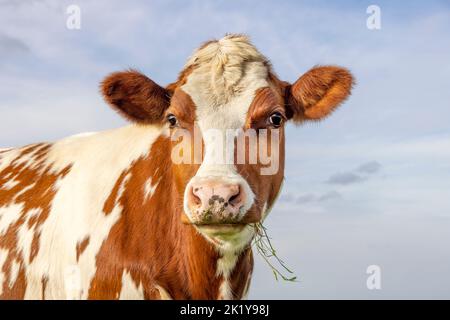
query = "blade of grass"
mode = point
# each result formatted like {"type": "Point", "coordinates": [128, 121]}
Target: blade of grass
{"type": "Point", "coordinates": [267, 251]}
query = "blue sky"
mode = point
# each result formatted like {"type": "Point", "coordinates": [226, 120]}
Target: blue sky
{"type": "Point", "coordinates": [370, 185]}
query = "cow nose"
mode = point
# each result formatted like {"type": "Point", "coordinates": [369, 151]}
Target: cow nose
{"type": "Point", "coordinates": [216, 202]}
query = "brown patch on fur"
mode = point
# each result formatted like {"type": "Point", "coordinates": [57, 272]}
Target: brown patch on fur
{"type": "Point", "coordinates": [317, 93]}
{"type": "Point", "coordinates": [264, 104]}
{"type": "Point", "coordinates": [44, 282]}
{"type": "Point", "coordinates": [81, 246]}
{"type": "Point", "coordinates": [135, 96]}
{"type": "Point", "coordinates": [34, 190]}
{"type": "Point", "coordinates": [183, 108]}
{"type": "Point", "coordinates": [111, 201]}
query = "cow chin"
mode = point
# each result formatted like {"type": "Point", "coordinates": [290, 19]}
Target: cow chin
{"type": "Point", "coordinates": [228, 237]}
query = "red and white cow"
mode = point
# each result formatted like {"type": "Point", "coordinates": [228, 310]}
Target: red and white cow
{"type": "Point", "coordinates": [109, 215]}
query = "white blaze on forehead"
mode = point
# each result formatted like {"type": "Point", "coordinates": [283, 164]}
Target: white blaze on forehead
{"type": "Point", "coordinates": [225, 78]}
{"type": "Point", "coordinates": [226, 75]}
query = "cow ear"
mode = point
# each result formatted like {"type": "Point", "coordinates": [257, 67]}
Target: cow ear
{"type": "Point", "coordinates": [135, 96]}
{"type": "Point", "coordinates": [318, 92]}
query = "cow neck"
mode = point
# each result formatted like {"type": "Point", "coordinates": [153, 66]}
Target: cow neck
{"type": "Point", "coordinates": [188, 262]}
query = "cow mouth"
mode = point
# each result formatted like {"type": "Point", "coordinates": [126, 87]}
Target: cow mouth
{"type": "Point", "coordinates": [221, 228]}
{"type": "Point", "coordinates": [232, 232]}
{"type": "Point", "coordinates": [220, 233]}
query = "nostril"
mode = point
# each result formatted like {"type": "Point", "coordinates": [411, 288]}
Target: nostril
{"type": "Point", "coordinates": [195, 199]}
{"type": "Point", "coordinates": [235, 198]}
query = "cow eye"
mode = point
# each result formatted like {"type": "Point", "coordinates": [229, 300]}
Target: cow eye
{"type": "Point", "coordinates": [172, 120]}
{"type": "Point", "coordinates": [276, 119]}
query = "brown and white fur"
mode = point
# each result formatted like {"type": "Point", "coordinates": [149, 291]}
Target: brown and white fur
{"type": "Point", "coordinates": [108, 215]}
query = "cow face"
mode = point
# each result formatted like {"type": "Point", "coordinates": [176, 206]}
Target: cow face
{"type": "Point", "coordinates": [226, 116]}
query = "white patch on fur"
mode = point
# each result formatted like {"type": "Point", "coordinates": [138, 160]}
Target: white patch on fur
{"type": "Point", "coordinates": [96, 161]}
{"type": "Point", "coordinates": [264, 212]}
{"type": "Point", "coordinates": [9, 215]}
{"type": "Point", "coordinates": [8, 185]}
{"type": "Point", "coordinates": [81, 135]}
{"type": "Point", "coordinates": [129, 289]}
{"type": "Point", "coordinates": [122, 185]}
{"type": "Point", "coordinates": [226, 75]}
{"type": "Point", "coordinates": [163, 294]}
{"type": "Point", "coordinates": [29, 159]}
{"type": "Point", "coordinates": [3, 256]}
{"type": "Point", "coordinates": [225, 266]}
{"type": "Point", "coordinates": [225, 291]}
{"type": "Point", "coordinates": [149, 189]}
{"type": "Point", "coordinates": [230, 252]}
{"type": "Point", "coordinates": [7, 157]}
{"type": "Point", "coordinates": [15, 267]}
{"type": "Point", "coordinates": [25, 236]}
{"type": "Point", "coordinates": [72, 282]}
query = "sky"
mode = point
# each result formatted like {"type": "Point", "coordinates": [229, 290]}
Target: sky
{"type": "Point", "coordinates": [370, 185]}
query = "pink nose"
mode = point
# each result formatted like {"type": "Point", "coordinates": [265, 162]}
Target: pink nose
{"type": "Point", "coordinates": [215, 202]}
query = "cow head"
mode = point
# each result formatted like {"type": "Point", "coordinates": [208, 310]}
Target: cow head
{"type": "Point", "coordinates": [226, 114]}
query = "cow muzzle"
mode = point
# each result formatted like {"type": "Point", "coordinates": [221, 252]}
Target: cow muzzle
{"type": "Point", "coordinates": [215, 202]}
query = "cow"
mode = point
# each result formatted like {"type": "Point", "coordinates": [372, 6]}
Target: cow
{"type": "Point", "coordinates": [111, 215]}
